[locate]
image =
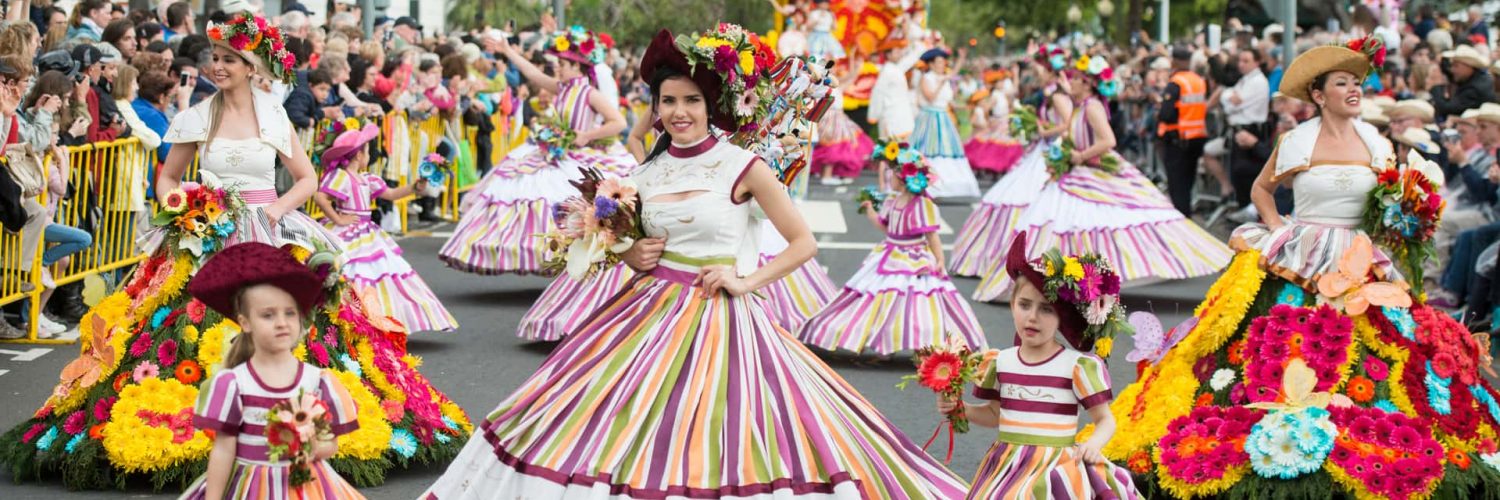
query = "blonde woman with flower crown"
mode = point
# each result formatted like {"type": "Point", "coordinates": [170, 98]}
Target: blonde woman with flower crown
{"type": "Point", "coordinates": [123, 410]}
{"type": "Point", "coordinates": [1311, 368]}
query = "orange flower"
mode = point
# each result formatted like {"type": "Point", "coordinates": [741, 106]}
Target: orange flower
{"type": "Point", "coordinates": [120, 381]}
{"type": "Point", "coordinates": [188, 372]}
{"type": "Point", "coordinates": [1205, 399]}
{"type": "Point", "coordinates": [96, 432]}
{"type": "Point", "coordinates": [1459, 458]}
{"type": "Point", "coordinates": [1237, 353]}
{"type": "Point", "coordinates": [1361, 389]}
{"type": "Point", "coordinates": [1140, 462]}
{"type": "Point", "coordinates": [215, 34]}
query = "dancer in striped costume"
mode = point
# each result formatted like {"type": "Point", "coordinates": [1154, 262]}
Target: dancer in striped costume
{"type": "Point", "coordinates": [901, 298]}
{"type": "Point", "coordinates": [507, 212]}
{"type": "Point", "coordinates": [683, 386]}
{"type": "Point", "coordinates": [268, 292]}
{"type": "Point", "coordinates": [1034, 391]}
{"type": "Point", "coordinates": [372, 259]}
{"type": "Point", "coordinates": [1120, 215]}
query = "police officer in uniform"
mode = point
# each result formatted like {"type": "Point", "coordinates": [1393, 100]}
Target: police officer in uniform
{"type": "Point", "coordinates": [1182, 130]}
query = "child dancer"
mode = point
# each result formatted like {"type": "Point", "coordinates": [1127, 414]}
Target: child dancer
{"type": "Point", "coordinates": [901, 298]}
{"type": "Point", "coordinates": [372, 258]}
{"type": "Point", "coordinates": [269, 293]}
{"type": "Point", "coordinates": [1034, 389]}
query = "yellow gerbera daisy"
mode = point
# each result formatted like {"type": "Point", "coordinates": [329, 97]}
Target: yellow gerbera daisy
{"type": "Point", "coordinates": [561, 43]}
{"type": "Point", "coordinates": [1083, 63]}
{"type": "Point", "coordinates": [1072, 269]}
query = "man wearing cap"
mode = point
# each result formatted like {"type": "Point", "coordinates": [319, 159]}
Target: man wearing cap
{"type": "Point", "coordinates": [1468, 83]}
{"type": "Point", "coordinates": [407, 30]}
{"type": "Point", "coordinates": [1181, 128]}
{"type": "Point", "coordinates": [91, 69]}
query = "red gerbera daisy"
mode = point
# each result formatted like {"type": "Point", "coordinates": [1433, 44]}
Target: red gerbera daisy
{"type": "Point", "coordinates": [939, 370]}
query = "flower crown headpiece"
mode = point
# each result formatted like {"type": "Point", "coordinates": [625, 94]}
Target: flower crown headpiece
{"type": "Point", "coordinates": [916, 174]}
{"type": "Point", "coordinates": [578, 43]}
{"type": "Point", "coordinates": [1052, 55]}
{"type": "Point", "coordinates": [1373, 48]}
{"type": "Point", "coordinates": [1090, 285]}
{"type": "Point", "coordinates": [1099, 68]}
{"type": "Point", "coordinates": [744, 62]}
{"type": "Point", "coordinates": [247, 32]}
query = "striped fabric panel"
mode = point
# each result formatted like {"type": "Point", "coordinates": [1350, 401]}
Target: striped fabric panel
{"type": "Point", "coordinates": [374, 260]}
{"type": "Point", "coordinates": [982, 242]}
{"type": "Point", "coordinates": [271, 482]}
{"type": "Point", "coordinates": [798, 296]}
{"type": "Point", "coordinates": [341, 186]}
{"type": "Point", "coordinates": [936, 135]}
{"type": "Point", "coordinates": [664, 390]}
{"type": "Point", "coordinates": [237, 401]}
{"type": "Point", "coordinates": [567, 303]}
{"type": "Point", "coordinates": [893, 321]}
{"type": "Point", "coordinates": [1012, 471]}
{"type": "Point", "coordinates": [917, 217]}
{"type": "Point", "coordinates": [1173, 249]}
{"type": "Point", "coordinates": [573, 99]}
{"type": "Point", "coordinates": [1309, 250]}
{"type": "Point", "coordinates": [1124, 188]}
{"type": "Point", "coordinates": [499, 238]}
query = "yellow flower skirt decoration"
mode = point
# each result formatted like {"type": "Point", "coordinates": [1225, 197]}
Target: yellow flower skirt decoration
{"type": "Point", "coordinates": [150, 428]}
{"type": "Point", "coordinates": [373, 437]}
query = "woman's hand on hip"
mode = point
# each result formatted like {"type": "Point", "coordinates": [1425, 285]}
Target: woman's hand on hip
{"type": "Point", "coordinates": [643, 255]}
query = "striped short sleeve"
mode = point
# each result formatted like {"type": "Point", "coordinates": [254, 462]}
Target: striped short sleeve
{"type": "Point", "coordinates": [988, 387]}
{"type": "Point", "coordinates": [219, 407]}
{"type": "Point", "coordinates": [1091, 381]}
{"type": "Point", "coordinates": [375, 184]}
{"type": "Point", "coordinates": [338, 184]}
{"type": "Point", "coordinates": [341, 411]}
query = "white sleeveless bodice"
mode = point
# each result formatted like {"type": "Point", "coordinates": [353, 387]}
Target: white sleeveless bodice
{"type": "Point", "coordinates": [244, 164]}
{"type": "Point", "coordinates": [944, 93]}
{"type": "Point", "coordinates": [1332, 194]}
{"type": "Point", "coordinates": [708, 228]}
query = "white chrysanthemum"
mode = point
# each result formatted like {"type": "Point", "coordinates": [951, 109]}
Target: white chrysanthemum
{"type": "Point", "coordinates": [1221, 379]}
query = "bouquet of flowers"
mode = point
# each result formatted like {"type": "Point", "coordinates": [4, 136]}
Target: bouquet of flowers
{"type": "Point", "coordinates": [1090, 284]}
{"type": "Point", "coordinates": [745, 62]}
{"type": "Point", "coordinates": [198, 217]}
{"type": "Point", "coordinates": [1024, 124]}
{"type": "Point", "coordinates": [324, 136]}
{"type": "Point", "coordinates": [554, 135]}
{"type": "Point", "coordinates": [594, 228]}
{"type": "Point", "coordinates": [293, 428]}
{"type": "Point", "coordinates": [1403, 212]}
{"type": "Point", "coordinates": [872, 194]}
{"type": "Point", "coordinates": [1060, 159]}
{"type": "Point", "coordinates": [946, 369]}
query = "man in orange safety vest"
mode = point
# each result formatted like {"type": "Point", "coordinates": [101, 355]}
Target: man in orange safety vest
{"type": "Point", "coordinates": [1182, 130]}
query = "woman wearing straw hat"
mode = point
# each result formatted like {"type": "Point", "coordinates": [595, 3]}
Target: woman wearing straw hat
{"type": "Point", "coordinates": [1309, 356]}
{"type": "Point", "coordinates": [123, 408]}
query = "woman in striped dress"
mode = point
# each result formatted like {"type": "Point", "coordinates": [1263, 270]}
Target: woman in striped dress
{"type": "Point", "coordinates": [1119, 214]}
{"type": "Point", "coordinates": [682, 386]}
{"type": "Point", "coordinates": [1033, 392]}
{"type": "Point", "coordinates": [507, 211]}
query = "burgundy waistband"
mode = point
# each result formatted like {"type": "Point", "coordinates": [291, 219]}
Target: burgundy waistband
{"type": "Point", "coordinates": [674, 275]}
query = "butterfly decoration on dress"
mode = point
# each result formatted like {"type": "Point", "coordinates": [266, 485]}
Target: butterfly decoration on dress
{"type": "Point", "coordinates": [1297, 390]}
{"type": "Point", "coordinates": [369, 300]}
{"type": "Point", "coordinates": [1486, 360]}
{"type": "Point", "coordinates": [1151, 343]}
{"type": "Point", "coordinates": [1351, 284]}
{"type": "Point", "coordinates": [88, 369]}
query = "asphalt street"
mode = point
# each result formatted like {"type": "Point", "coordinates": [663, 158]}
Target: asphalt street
{"type": "Point", "coordinates": [483, 361]}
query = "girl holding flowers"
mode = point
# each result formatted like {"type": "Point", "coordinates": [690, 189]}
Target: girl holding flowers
{"type": "Point", "coordinates": [1033, 390]}
{"type": "Point", "coordinates": [265, 405]}
{"type": "Point", "coordinates": [901, 299]}
{"type": "Point", "coordinates": [372, 258]}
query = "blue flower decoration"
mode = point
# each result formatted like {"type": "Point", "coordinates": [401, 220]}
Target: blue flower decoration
{"type": "Point", "coordinates": [404, 443]}
{"type": "Point", "coordinates": [1109, 89]}
{"type": "Point", "coordinates": [450, 423]}
{"type": "Point", "coordinates": [1401, 318]}
{"type": "Point", "coordinates": [1015, 122]}
{"type": "Point", "coordinates": [1287, 444]}
{"type": "Point", "coordinates": [442, 437]}
{"type": "Point", "coordinates": [433, 174]}
{"type": "Point", "coordinates": [1054, 153]}
{"type": "Point", "coordinates": [1402, 222]}
{"type": "Point", "coordinates": [1291, 295]}
{"type": "Point", "coordinates": [1387, 406]}
{"type": "Point", "coordinates": [159, 317]}
{"type": "Point", "coordinates": [1483, 396]}
{"type": "Point", "coordinates": [1058, 62]}
{"type": "Point", "coordinates": [351, 365]}
{"type": "Point", "coordinates": [225, 228]}
{"type": "Point", "coordinates": [73, 443]}
{"type": "Point", "coordinates": [44, 443]}
{"type": "Point", "coordinates": [909, 156]}
{"type": "Point", "coordinates": [208, 245]}
{"type": "Point", "coordinates": [1439, 396]}
{"type": "Point", "coordinates": [917, 183]}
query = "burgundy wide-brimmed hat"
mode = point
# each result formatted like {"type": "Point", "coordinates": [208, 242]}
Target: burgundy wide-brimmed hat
{"type": "Point", "coordinates": [1071, 324]}
{"type": "Point", "coordinates": [663, 53]}
{"type": "Point", "coordinates": [247, 264]}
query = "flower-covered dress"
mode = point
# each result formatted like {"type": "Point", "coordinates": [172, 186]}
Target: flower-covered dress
{"type": "Point", "coordinates": [511, 207]}
{"type": "Point", "coordinates": [237, 401]}
{"type": "Point", "coordinates": [666, 393]}
{"type": "Point", "coordinates": [372, 259]}
{"type": "Point", "coordinates": [1121, 216]}
{"type": "Point", "coordinates": [841, 143]}
{"type": "Point", "coordinates": [124, 407]}
{"type": "Point", "coordinates": [1034, 456]}
{"type": "Point", "coordinates": [900, 299]}
{"type": "Point", "coordinates": [1410, 413]}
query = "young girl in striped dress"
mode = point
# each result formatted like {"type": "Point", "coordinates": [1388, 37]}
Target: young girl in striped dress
{"type": "Point", "coordinates": [269, 293]}
{"type": "Point", "coordinates": [1034, 391]}
{"type": "Point", "coordinates": [372, 259]}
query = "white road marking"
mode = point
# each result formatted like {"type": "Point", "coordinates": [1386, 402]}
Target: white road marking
{"type": "Point", "coordinates": [27, 355]}
{"type": "Point", "coordinates": [824, 216]}
{"type": "Point", "coordinates": [3, 372]}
